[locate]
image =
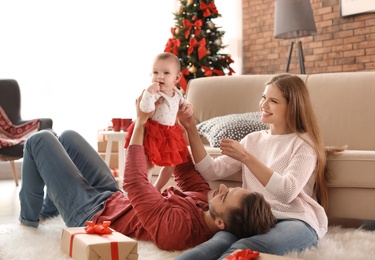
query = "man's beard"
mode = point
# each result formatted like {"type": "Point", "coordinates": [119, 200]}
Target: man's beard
{"type": "Point", "coordinates": [210, 195]}
{"type": "Point", "coordinates": [212, 211]}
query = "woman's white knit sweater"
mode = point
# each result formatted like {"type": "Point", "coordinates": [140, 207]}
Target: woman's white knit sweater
{"type": "Point", "coordinates": [290, 189]}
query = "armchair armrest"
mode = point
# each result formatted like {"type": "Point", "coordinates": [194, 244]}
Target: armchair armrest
{"type": "Point", "coordinates": [45, 123]}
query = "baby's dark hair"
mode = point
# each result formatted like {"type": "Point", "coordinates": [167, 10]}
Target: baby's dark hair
{"type": "Point", "coordinates": [252, 217]}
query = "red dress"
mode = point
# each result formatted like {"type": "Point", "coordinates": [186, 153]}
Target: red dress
{"type": "Point", "coordinates": [164, 145]}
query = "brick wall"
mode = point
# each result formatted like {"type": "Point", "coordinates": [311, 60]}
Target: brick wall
{"type": "Point", "coordinates": [341, 43]}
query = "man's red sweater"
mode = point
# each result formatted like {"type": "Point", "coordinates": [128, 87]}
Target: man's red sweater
{"type": "Point", "coordinates": [172, 220]}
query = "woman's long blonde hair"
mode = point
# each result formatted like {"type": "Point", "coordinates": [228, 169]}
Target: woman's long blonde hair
{"type": "Point", "coordinates": [301, 119]}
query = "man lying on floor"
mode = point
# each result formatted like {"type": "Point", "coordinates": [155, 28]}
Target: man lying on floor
{"type": "Point", "coordinates": [81, 187]}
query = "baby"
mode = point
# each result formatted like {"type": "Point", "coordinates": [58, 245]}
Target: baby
{"type": "Point", "coordinates": [164, 142]}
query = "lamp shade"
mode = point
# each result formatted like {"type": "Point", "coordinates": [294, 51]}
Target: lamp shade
{"type": "Point", "coordinates": [293, 19]}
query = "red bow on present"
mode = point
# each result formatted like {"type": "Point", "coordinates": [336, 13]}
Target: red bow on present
{"type": "Point", "coordinates": [208, 8]}
{"type": "Point", "coordinates": [202, 51]}
{"type": "Point", "coordinates": [209, 72]}
{"type": "Point", "coordinates": [246, 254]}
{"type": "Point", "coordinates": [93, 228]}
{"type": "Point", "coordinates": [197, 24]}
{"type": "Point", "coordinates": [172, 46]}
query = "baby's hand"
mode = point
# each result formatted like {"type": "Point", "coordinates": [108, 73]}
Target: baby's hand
{"type": "Point", "coordinates": [153, 88]}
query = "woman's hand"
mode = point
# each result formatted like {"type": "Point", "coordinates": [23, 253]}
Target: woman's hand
{"type": "Point", "coordinates": [233, 149]}
{"type": "Point", "coordinates": [238, 152]}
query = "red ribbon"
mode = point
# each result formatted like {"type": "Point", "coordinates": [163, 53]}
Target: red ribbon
{"type": "Point", "coordinates": [209, 72]}
{"type": "Point", "coordinates": [172, 46]}
{"type": "Point", "coordinates": [197, 24]}
{"type": "Point", "coordinates": [202, 51]}
{"type": "Point", "coordinates": [229, 59]}
{"type": "Point", "coordinates": [93, 228]}
{"type": "Point", "coordinates": [208, 8]}
{"type": "Point", "coordinates": [101, 230]}
{"type": "Point", "coordinates": [192, 44]}
{"type": "Point", "coordinates": [183, 82]}
{"type": "Point", "coordinates": [246, 254]}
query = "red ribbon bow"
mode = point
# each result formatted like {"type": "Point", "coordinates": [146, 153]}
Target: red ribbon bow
{"type": "Point", "coordinates": [197, 24]}
{"type": "Point", "coordinates": [231, 71]}
{"type": "Point", "coordinates": [93, 228]}
{"type": "Point", "coordinates": [202, 51]}
{"type": "Point", "coordinates": [183, 82]}
{"type": "Point", "coordinates": [208, 8]}
{"type": "Point", "coordinates": [172, 46]}
{"type": "Point", "coordinates": [229, 59]}
{"type": "Point", "coordinates": [246, 254]}
{"type": "Point", "coordinates": [209, 72]}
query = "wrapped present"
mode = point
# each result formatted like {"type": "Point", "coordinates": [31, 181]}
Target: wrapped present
{"type": "Point", "coordinates": [113, 163]}
{"type": "Point", "coordinates": [102, 146]}
{"type": "Point", "coordinates": [98, 241]}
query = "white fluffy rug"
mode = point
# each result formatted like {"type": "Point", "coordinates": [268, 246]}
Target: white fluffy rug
{"type": "Point", "coordinates": [20, 242]}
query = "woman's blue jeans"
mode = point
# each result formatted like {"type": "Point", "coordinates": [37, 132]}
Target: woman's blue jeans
{"type": "Point", "coordinates": [77, 179]}
{"type": "Point", "coordinates": [288, 235]}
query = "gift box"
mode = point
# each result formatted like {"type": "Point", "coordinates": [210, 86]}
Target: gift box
{"type": "Point", "coordinates": [113, 163]}
{"type": "Point", "coordinates": [102, 146]}
{"type": "Point", "coordinates": [81, 245]}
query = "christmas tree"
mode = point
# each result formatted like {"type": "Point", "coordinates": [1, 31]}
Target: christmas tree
{"type": "Point", "coordinates": [197, 41]}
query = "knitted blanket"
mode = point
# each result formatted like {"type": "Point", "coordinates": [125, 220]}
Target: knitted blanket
{"type": "Point", "coordinates": [11, 134]}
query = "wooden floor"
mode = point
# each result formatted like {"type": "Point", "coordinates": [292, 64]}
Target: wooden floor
{"type": "Point", "coordinates": [9, 203]}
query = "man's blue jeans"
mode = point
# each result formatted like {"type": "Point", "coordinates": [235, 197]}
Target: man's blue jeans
{"type": "Point", "coordinates": [78, 180]}
{"type": "Point", "coordinates": [288, 235]}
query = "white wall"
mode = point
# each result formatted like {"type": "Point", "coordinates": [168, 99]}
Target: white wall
{"type": "Point", "coordinates": [82, 62]}
{"type": "Point", "coordinates": [231, 23]}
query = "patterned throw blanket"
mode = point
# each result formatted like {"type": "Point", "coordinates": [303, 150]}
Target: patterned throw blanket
{"type": "Point", "coordinates": [14, 134]}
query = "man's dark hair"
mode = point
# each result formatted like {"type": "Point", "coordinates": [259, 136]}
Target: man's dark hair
{"type": "Point", "coordinates": [252, 217]}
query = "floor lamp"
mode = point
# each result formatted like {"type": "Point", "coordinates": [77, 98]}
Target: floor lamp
{"type": "Point", "coordinates": [294, 19]}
